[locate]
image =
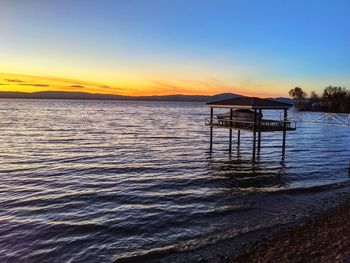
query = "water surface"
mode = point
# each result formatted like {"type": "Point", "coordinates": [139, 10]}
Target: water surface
{"type": "Point", "coordinates": [88, 181]}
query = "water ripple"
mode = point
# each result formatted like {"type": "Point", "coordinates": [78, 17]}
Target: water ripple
{"type": "Point", "coordinates": [89, 181]}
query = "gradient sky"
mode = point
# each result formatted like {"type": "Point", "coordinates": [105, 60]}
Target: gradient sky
{"type": "Point", "coordinates": [146, 47]}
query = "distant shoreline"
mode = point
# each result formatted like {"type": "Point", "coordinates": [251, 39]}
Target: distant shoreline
{"type": "Point", "coordinates": [96, 96]}
{"type": "Point", "coordinates": [81, 99]}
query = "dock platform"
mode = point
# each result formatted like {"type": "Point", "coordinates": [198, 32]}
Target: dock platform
{"type": "Point", "coordinates": [261, 126]}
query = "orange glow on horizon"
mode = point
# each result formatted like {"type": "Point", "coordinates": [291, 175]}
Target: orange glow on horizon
{"type": "Point", "coordinates": [135, 87]}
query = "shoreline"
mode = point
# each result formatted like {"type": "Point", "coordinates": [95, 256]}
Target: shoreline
{"type": "Point", "coordinates": [238, 248]}
{"type": "Point", "coordinates": [325, 238]}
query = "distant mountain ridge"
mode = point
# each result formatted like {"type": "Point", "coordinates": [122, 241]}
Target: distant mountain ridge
{"type": "Point", "coordinates": [282, 99]}
{"type": "Point", "coordinates": [96, 96]}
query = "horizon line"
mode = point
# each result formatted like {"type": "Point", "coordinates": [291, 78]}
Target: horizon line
{"type": "Point", "coordinates": [136, 96]}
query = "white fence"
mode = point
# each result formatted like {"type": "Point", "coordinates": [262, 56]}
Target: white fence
{"type": "Point", "coordinates": [339, 119]}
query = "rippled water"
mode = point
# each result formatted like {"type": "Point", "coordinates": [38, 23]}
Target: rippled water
{"type": "Point", "coordinates": [89, 181]}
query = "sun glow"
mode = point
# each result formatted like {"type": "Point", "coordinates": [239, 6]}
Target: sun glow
{"type": "Point", "coordinates": [137, 87]}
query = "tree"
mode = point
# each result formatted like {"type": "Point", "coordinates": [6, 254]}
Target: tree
{"type": "Point", "coordinates": [336, 98]}
{"type": "Point", "coordinates": [314, 98]}
{"type": "Point", "coordinates": [298, 95]}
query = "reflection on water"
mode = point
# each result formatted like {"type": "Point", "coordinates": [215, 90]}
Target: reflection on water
{"type": "Point", "coordinates": [103, 180]}
{"type": "Point", "coordinates": [243, 175]}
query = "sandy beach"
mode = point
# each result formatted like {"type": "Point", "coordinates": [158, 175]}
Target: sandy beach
{"type": "Point", "coordinates": [322, 239]}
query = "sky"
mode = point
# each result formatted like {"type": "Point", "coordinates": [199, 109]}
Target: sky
{"type": "Point", "coordinates": [162, 47]}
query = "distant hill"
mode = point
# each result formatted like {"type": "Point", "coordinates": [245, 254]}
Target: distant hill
{"type": "Point", "coordinates": [282, 99]}
{"type": "Point", "coordinates": [222, 96]}
{"type": "Point", "coordinates": [96, 96]}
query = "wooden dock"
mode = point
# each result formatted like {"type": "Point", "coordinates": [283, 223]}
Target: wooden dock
{"type": "Point", "coordinates": [261, 126]}
{"type": "Point", "coordinates": [252, 108]}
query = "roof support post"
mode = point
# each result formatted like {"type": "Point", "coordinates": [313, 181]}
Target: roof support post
{"type": "Point", "coordinates": [239, 138]}
{"type": "Point", "coordinates": [285, 118]}
{"type": "Point", "coordinates": [211, 128]}
{"type": "Point", "coordinates": [259, 132]}
{"type": "Point", "coordinates": [254, 135]}
{"type": "Point", "coordinates": [231, 115]}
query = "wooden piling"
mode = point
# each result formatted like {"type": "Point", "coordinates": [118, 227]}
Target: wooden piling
{"type": "Point", "coordinates": [238, 138]}
{"type": "Point", "coordinates": [285, 118]}
{"type": "Point", "coordinates": [211, 129]}
{"type": "Point", "coordinates": [254, 135]}
{"type": "Point", "coordinates": [259, 133]}
{"type": "Point", "coordinates": [231, 115]}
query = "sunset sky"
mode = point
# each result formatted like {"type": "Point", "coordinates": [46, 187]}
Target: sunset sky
{"type": "Point", "coordinates": [158, 47]}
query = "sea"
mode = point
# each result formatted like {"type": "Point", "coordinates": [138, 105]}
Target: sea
{"type": "Point", "coordinates": [134, 181]}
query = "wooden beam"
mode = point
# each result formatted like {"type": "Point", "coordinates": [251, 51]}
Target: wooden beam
{"type": "Point", "coordinates": [285, 118]}
{"type": "Point", "coordinates": [239, 138]}
{"type": "Point", "coordinates": [259, 133]}
{"type": "Point", "coordinates": [230, 134]}
{"type": "Point", "coordinates": [254, 135]}
{"type": "Point", "coordinates": [211, 129]}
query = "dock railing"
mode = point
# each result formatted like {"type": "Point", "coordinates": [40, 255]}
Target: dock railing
{"type": "Point", "coordinates": [327, 118]}
{"type": "Point", "coordinates": [262, 125]}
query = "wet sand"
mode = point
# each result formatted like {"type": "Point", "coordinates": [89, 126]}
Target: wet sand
{"type": "Point", "coordinates": [322, 239]}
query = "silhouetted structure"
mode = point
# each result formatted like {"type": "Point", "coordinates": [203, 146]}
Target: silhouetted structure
{"type": "Point", "coordinates": [246, 114]}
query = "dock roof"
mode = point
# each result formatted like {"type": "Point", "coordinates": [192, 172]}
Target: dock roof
{"type": "Point", "coordinates": [249, 103]}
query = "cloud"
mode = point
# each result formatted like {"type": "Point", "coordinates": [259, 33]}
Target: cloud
{"type": "Point", "coordinates": [164, 84]}
{"type": "Point", "coordinates": [212, 86]}
{"type": "Point", "coordinates": [14, 80]}
{"type": "Point", "coordinates": [76, 86]}
{"type": "Point", "coordinates": [106, 87]}
{"type": "Point", "coordinates": [189, 87]}
{"type": "Point", "coordinates": [35, 85]}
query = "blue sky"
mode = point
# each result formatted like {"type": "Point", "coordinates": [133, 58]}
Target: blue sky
{"type": "Point", "coordinates": [250, 47]}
